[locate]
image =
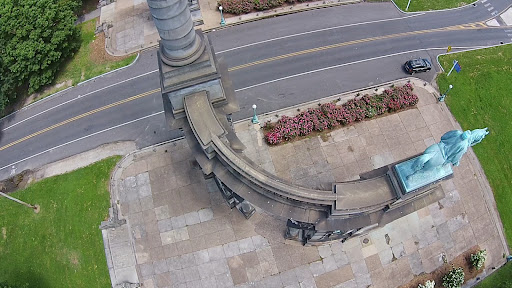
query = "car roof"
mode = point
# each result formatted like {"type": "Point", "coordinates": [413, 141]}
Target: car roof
{"type": "Point", "coordinates": [418, 63]}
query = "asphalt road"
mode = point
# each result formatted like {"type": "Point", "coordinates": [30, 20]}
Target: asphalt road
{"type": "Point", "coordinates": [274, 63]}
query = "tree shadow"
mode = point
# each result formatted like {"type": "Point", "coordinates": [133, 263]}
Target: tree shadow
{"type": "Point", "coordinates": [25, 279]}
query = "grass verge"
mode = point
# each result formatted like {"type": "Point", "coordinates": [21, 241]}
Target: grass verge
{"type": "Point", "coordinates": [62, 245]}
{"type": "Point", "coordinates": [89, 61]}
{"type": "Point", "coordinates": [428, 5]}
{"type": "Point", "coordinates": [499, 279]}
{"type": "Point", "coordinates": [479, 98]}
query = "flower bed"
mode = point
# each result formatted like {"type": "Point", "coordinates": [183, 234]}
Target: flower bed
{"type": "Point", "coordinates": [463, 261]}
{"type": "Point", "coordinates": [238, 7]}
{"type": "Point", "coordinates": [329, 115]}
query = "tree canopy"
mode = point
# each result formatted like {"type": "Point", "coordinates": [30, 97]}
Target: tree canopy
{"type": "Point", "coordinates": [36, 36]}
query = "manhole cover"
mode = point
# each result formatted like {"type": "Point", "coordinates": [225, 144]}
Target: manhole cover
{"type": "Point", "coordinates": [365, 240]}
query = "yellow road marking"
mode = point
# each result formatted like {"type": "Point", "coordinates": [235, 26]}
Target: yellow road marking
{"type": "Point", "coordinates": [456, 27]}
{"type": "Point", "coordinates": [307, 51]}
{"type": "Point", "coordinates": [79, 117]}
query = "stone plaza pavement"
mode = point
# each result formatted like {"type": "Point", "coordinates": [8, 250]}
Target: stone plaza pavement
{"type": "Point", "coordinates": [181, 233]}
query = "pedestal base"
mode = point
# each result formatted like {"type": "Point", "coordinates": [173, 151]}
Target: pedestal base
{"type": "Point", "coordinates": [410, 181]}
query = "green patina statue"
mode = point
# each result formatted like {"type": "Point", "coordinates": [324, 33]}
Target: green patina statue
{"type": "Point", "coordinates": [453, 145]}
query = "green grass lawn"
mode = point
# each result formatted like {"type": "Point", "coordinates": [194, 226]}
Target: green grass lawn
{"type": "Point", "coordinates": [83, 66]}
{"type": "Point", "coordinates": [499, 279]}
{"type": "Point", "coordinates": [86, 64]}
{"type": "Point", "coordinates": [481, 98]}
{"type": "Point", "coordinates": [62, 245]}
{"type": "Point", "coordinates": [427, 5]}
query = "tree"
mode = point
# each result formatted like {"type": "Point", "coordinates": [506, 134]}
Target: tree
{"type": "Point", "coordinates": [36, 36]}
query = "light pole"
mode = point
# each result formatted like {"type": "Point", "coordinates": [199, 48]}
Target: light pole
{"type": "Point", "coordinates": [441, 98]}
{"type": "Point", "coordinates": [222, 21]}
{"type": "Point", "coordinates": [255, 118]}
{"type": "Point", "coordinates": [35, 207]}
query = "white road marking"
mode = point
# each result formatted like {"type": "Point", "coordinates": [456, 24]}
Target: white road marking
{"type": "Point", "coordinates": [76, 98]}
{"type": "Point", "coordinates": [82, 138]}
{"type": "Point", "coordinates": [315, 31]}
{"type": "Point", "coordinates": [489, 9]}
{"type": "Point", "coordinates": [341, 65]}
{"type": "Point", "coordinates": [487, 5]}
{"type": "Point", "coordinates": [483, 1]}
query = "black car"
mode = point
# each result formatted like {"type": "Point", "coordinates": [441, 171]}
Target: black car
{"type": "Point", "coordinates": [417, 65]}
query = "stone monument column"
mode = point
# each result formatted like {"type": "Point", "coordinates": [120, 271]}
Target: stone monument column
{"type": "Point", "coordinates": [180, 44]}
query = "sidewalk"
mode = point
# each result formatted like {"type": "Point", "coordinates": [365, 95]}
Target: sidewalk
{"type": "Point", "coordinates": [131, 27]}
{"type": "Point", "coordinates": [181, 233]}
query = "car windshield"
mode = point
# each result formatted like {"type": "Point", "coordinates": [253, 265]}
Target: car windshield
{"type": "Point", "coordinates": [417, 63]}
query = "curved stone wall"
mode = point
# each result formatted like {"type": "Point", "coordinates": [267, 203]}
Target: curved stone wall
{"type": "Point", "coordinates": [349, 206]}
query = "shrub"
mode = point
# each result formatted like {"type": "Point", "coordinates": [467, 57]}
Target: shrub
{"type": "Point", "coordinates": [478, 259]}
{"type": "Point", "coordinates": [267, 4]}
{"type": "Point", "coordinates": [428, 284]}
{"type": "Point", "coordinates": [237, 6]}
{"type": "Point", "coordinates": [329, 115]}
{"type": "Point", "coordinates": [454, 278]}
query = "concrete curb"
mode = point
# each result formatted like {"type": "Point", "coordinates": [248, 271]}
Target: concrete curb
{"type": "Point", "coordinates": [115, 213]}
{"type": "Point", "coordinates": [83, 159]}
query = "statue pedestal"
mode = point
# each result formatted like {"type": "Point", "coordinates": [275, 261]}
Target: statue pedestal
{"type": "Point", "coordinates": [410, 182]}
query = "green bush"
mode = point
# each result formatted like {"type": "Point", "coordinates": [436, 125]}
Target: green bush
{"type": "Point", "coordinates": [454, 278]}
{"type": "Point", "coordinates": [478, 259]}
{"type": "Point", "coordinates": [428, 284]}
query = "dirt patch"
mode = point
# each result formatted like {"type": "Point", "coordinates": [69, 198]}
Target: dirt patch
{"type": "Point", "coordinates": [98, 53]}
{"type": "Point", "coordinates": [16, 182]}
{"type": "Point", "coordinates": [462, 260]}
{"type": "Point", "coordinates": [73, 259]}
{"type": "Point", "coordinates": [4, 233]}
